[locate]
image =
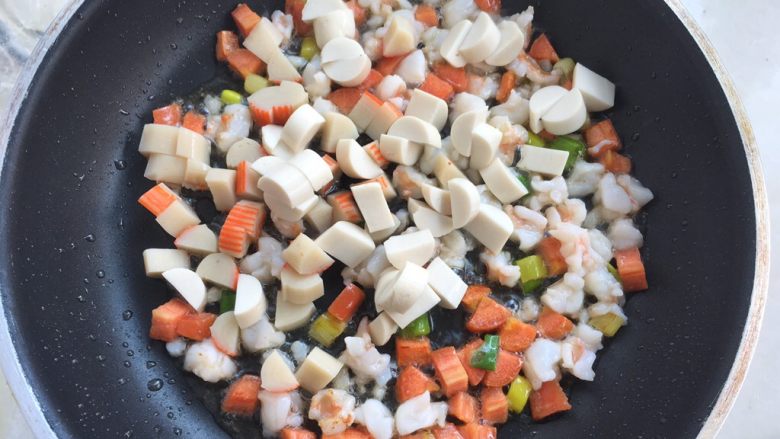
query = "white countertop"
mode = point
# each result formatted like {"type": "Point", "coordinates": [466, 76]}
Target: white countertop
{"type": "Point", "coordinates": [743, 32]}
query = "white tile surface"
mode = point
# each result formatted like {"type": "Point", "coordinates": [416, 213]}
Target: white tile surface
{"type": "Point", "coordinates": [744, 34]}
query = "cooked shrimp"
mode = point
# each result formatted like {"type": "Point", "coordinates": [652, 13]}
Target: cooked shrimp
{"type": "Point", "coordinates": [515, 108]}
{"type": "Point", "coordinates": [266, 264]}
{"type": "Point", "coordinates": [500, 268]}
{"type": "Point", "coordinates": [315, 81]}
{"type": "Point", "coordinates": [279, 410]}
{"type": "Point", "coordinates": [613, 199]}
{"type": "Point", "coordinates": [566, 295]}
{"type": "Point", "coordinates": [589, 335]}
{"type": "Point", "coordinates": [235, 125]}
{"type": "Point", "coordinates": [601, 284]}
{"type": "Point", "coordinates": [528, 225]}
{"type": "Point", "coordinates": [418, 413]}
{"type": "Point", "coordinates": [624, 235]}
{"type": "Point", "coordinates": [484, 86]}
{"type": "Point", "coordinates": [333, 409]}
{"type": "Point", "coordinates": [261, 336]}
{"type": "Point", "coordinates": [571, 211]}
{"type": "Point", "coordinates": [577, 358]}
{"type": "Point", "coordinates": [284, 24]}
{"type": "Point", "coordinates": [547, 192]}
{"type": "Point", "coordinates": [526, 67]}
{"type": "Point", "coordinates": [289, 229]}
{"type": "Point", "coordinates": [584, 178]}
{"type": "Point", "coordinates": [454, 247]}
{"type": "Point", "coordinates": [209, 363]}
{"type": "Point", "coordinates": [465, 102]}
{"type": "Point", "coordinates": [528, 310]}
{"type": "Point", "coordinates": [408, 180]}
{"type": "Point", "coordinates": [512, 136]}
{"type": "Point", "coordinates": [177, 347]}
{"type": "Point", "coordinates": [639, 194]}
{"type": "Point", "coordinates": [377, 418]}
{"type": "Point", "coordinates": [364, 359]}
{"type": "Point", "coordinates": [541, 361]}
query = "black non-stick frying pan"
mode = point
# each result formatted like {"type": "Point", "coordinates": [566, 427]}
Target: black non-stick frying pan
{"type": "Point", "coordinates": [77, 304]}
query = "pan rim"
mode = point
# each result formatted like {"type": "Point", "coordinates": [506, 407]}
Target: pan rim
{"type": "Point", "coordinates": [33, 412]}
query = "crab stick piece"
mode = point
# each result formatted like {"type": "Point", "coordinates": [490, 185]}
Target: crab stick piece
{"type": "Point", "coordinates": [511, 43]}
{"type": "Point", "coordinates": [316, 170]}
{"type": "Point", "coordinates": [491, 226]}
{"type": "Point", "coordinates": [427, 218]}
{"type": "Point", "coordinates": [305, 257]}
{"type": "Point", "coordinates": [546, 161]}
{"type": "Point", "coordinates": [318, 370]}
{"type": "Point", "coordinates": [384, 118]}
{"type": "Point", "coordinates": [275, 104]}
{"type": "Point", "coordinates": [193, 146]}
{"type": "Point", "coordinates": [597, 91]}
{"type": "Point", "coordinates": [446, 283]}
{"type": "Point", "coordinates": [320, 217]}
{"type": "Point", "coordinates": [344, 61]}
{"type": "Point", "coordinates": [387, 187]}
{"type": "Point", "coordinates": [219, 269]}
{"type": "Point", "coordinates": [222, 184]}
{"type": "Point", "coordinates": [246, 182]}
{"type": "Point", "coordinates": [344, 207]}
{"type": "Point", "coordinates": [567, 115]}
{"type": "Point", "coordinates": [158, 139]}
{"type": "Point", "coordinates": [461, 131]}
{"type": "Point", "coordinates": [346, 242]}
{"type": "Point", "coordinates": [399, 149]}
{"type": "Point", "coordinates": [382, 329]}
{"type": "Point", "coordinates": [244, 150]}
{"type": "Point", "coordinates": [197, 240]}
{"type": "Point", "coordinates": [502, 182]}
{"type": "Point", "coordinates": [373, 150]}
{"type": "Point", "coordinates": [301, 127]}
{"type": "Point", "coordinates": [416, 130]}
{"type": "Point", "coordinates": [482, 39]}
{"type": "Point", "coordinates": [355, 162]}
{"type": "Point", "coordinates": [337, 126]}
{"type": "Point", "coordinates": [177, 217]}
{"type": "Point", "coordinates": [301, 289]}
{"type": "Point", "coordinates": [439, 199]}
{"type": "Point", "coordinates": [400, 37]}
{"type": "Point", "coordinates": [465, 201]}
{"type": "Point", "coordinates": [189, 285]}
{"type": "Point", "coordinates": [428, 108]}
{"type": "Point", "coordinates": [159, 260]}
{"type": "Point", "coordinates": [233, 240]}
{"type": "Point", "coordinates": [484, 145]}
{"type": "Point", "coordinates": [371, 201]}
{"type": "Point", "coordinates": [249, 215]}
{"type": "Point", "coordinates": [449, 47]}
{"type": "Point", "coordinates": [416, 247]}
{"type": "Point", "coordinates": [165, 168]}
{"type": "Point", "coordinates": [364, 111]}
{"type": "Point", "coordinates": [338, 23]}
{"type": "Point", "coordinates": [157, 199]}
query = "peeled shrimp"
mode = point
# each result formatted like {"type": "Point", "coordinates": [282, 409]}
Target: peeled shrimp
{"type": "Point", "coordinates": [209, 363]}
{"type": "Point", "coordinates": [279, 410]}
{"type": "Point", "coordinates": [266, 264]}
{"type": "Point", "coordinates": [377, 418]}
{"type": "Point", "coordinates": [333, 409]}
{"type": "Point", "coordinates": [500, 268]}
{"type": "Point", "coordinates": [528, 225]}
{"type": "Point", "coordinates": [261, 336]}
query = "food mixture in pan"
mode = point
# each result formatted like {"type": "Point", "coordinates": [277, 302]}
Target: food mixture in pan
{"type": "Point", "coordinates": [447, 173]}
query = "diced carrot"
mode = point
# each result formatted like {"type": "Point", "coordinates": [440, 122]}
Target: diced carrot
{"type": "Point", "coordinates": [227, 42]}
{"type": "Point", "coordinates": [297, 433]}
{"type": "Point", "coordinates": [447, 432]}
{"type": "Point", "coordinates": [489, 6]}
{"type": "Point", "coordinates": [157, 199]}
{"type": "Point", "coordinates": [549, 249]}
{"type": "Point", "coordinates": [516, 335]}
{"type": "Point", "coordinates": [455, 76]}
{"type": "Point", "coordinates": [168, 115]}
{"type": "Point", "coordinates": [547, 136]}
{"type": "Point", "coordinates": [553, 325]}
{"type": "Point", "coordinates": [358, 11]}
{"type": "Point", "coordinates": [413, 351]}
{"type": "Point", "coordinates": [346, 304]}
{"type": "Point", "coordinates": [413, 382]}
{"type": "Point", "coordinates": [233, 240]}
{"type": "Point", "coordinates": [350, 433]}
{"type": "Point", "coordinates": [345, 98]}
{"type": "Point", "coordinates": [332, 164]}
{"type": "Point", "coordinates": [196, 326]}
{"type": "Point", "coordinates": [631, 270]}
{"type": "Point", "coordinates": [373, 150]}
{"type": "Point", "coordinates": [344, 207]}
{"type": "Point", "coordinates": [241, 397]}
{"type": "Point", "coordinates": [602, 137]}
{"type": "Point", "coordinates": [489, 316]}
{"type": "Point", "coordinates": [495, 406]}
{"type": "Point", "coordinates": [507, 85]}
{"type": "Point", "coordinates": [194, 122]}
{"type": "Point", "coordinates": [450, 373]}
{"type": "Point", "coordinates": [245, 18]}
{"type": "Point", "coordinates": [477, 431]}
{"type": "Point", "coordinates": [463, 407]}
{"type": "Point", "coordinates": [427, 15]}
{"type": "Point", "coordinates": [437, 87]}
{"type": "Point", "coordinates": [508, 365]}
{"type": "Point", "coordinates": [371, 81]}
{"type": "Point", "coordinates": [165, 319]}
{"type": "Point", "coordinates": [474, 294]}
{"type": "Point", "coordinates": [295, 8]}
{"type": "Point", "coordinates": [548, 400]}
{"type": "Point", "coordinates": [542, 49]}
{"type": "Point", "coordinates": [245, 63]}
{"type": "Point", "coordinates": [615, 162]}
{"type": "Point", "coordinates": [387, 66]}
{"type": "Point", "coordinates": [464, 354]}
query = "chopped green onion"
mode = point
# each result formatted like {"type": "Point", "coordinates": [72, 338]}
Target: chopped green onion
{"type": "Point", "coordinates": [532, 272]}
{"type": "Point", "coordinates": [518, 394]}
{"type": "Point", "coordinates": [566, 67]}
{"type": "Point", "coordinates": [230, 97]}
{"type": "Point", "coordinates": [524, 180]}
{"type": "Point", "coordinates": [308, 48]}
{"type": "Point", "coordinates": [613, 271]}
{"type": "Point", "coordinates": [227, 302]}
{"type": "Point", "coordinates": [535, 140]}
{"type": "Point", "coordinates": [574, 147]}
{"type": "Point", "coordinates": [419, 327]}
{"type": "Point", "coordinates": [487, 355]}
{"type": "Point", "coordinates": [608, 323]}
{"type": "Point", "coordinates": [326, 329]}
{"type": "Point", "coordinates": [253, 83]}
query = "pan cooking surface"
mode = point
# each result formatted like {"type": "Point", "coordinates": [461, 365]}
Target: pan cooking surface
{"type": "Point", "coordinates": [71, 233]}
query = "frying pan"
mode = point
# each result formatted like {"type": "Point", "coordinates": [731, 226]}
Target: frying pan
{"type": "Point", "coordinates": [76, 305]}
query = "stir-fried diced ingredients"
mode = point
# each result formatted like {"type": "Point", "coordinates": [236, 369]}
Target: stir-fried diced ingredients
{"type": "Point", "coordinates": [448, 165]}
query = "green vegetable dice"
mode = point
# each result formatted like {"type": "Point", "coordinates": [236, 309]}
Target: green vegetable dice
{"type": "Point", "coordinates": [326, 329]}
{"type": "Point", "coordinates": [487, 355]}
{"type": "Point", "coordinates": [230, 97]}
{"type": "Point", "coordinates": [574, 147]}
{"type": "Point", "coordinates": [419, 327]}
{"type": "Point", "coordinates": [308, 48]}
{"type": "Point", "coordinates": [518, 394]}
{"type": "Point", "coordinates": [535, 140]}
{"type": "Point", "coordinates": [608, 323]}
{"type": "Point", "coordinates": [532, 272]}
{"type": "Point", "coordinates": [253, 83]}
{"type": "Point", "coordinates": [227, 302]}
